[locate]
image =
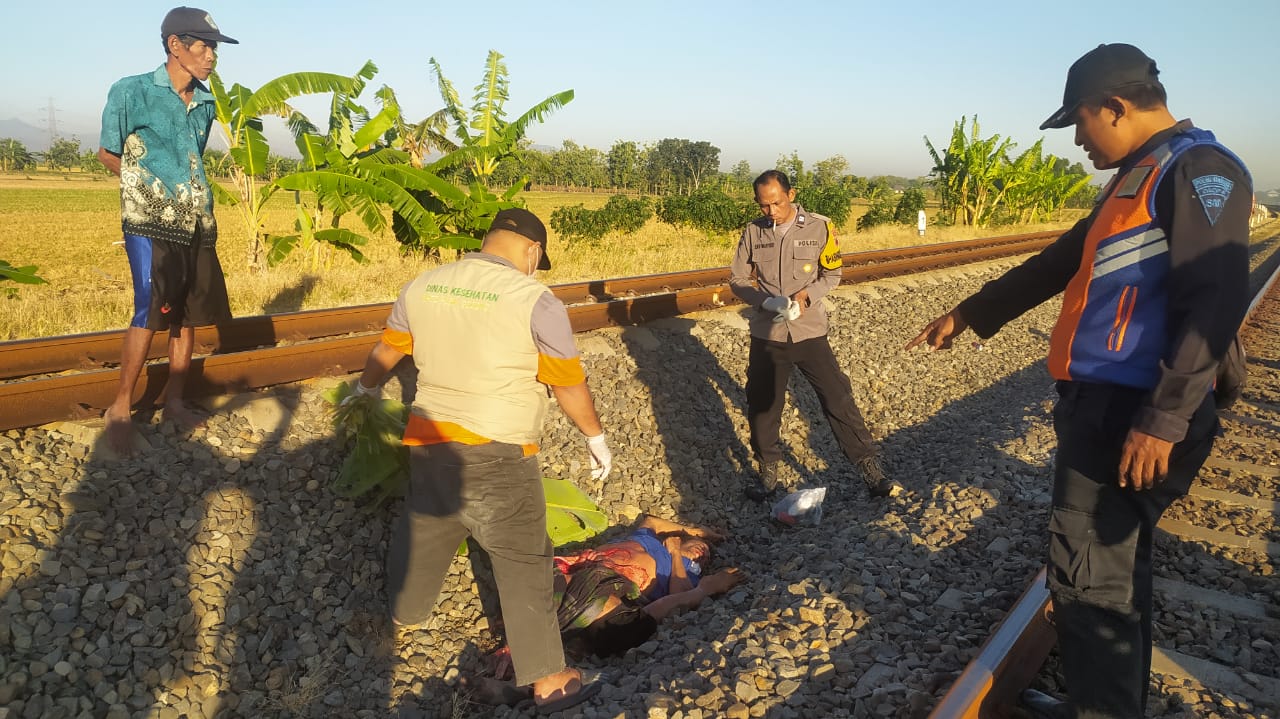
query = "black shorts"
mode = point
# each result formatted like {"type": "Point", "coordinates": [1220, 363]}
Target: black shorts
{"type": "Point", "coordinates": [175, 285]}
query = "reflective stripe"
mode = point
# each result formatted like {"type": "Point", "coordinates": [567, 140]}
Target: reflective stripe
{"type": "Point", "coordinates": [1162, 154]}
{"type": "Point", "coordinates": [1123, 253]}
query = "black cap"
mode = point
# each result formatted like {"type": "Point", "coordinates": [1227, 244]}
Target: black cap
{"type": "Point", "coordinates": [194, 22]}
{"type": "Point", "coordinates": [1102, 69]}
{"type": "Point", "coordinates": [527, 225]}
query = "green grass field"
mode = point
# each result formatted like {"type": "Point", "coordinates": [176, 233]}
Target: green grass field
{"type": "Point", "coordinates": [70, 228]}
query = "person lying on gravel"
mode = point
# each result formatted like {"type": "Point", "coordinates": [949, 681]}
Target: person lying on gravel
{"type": "Point", "coordinates": [611, 598]}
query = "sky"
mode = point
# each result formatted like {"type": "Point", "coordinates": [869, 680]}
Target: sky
{"type": "Point", "coordinates": [866, 80]}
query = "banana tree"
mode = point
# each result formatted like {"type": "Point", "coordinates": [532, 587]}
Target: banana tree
{"type": "Point", "coordinates": [1044, 188]}
{"type": "Point", "coordinates": [354, 168]}
{"type": "Point", "coordinates": [484, 139]}
{"type": "Point", "coordinates": [239, 114]}
{"type": "Point", "coordinates": [484, 133]}
{"type": "Point", "coordinates": [969, 173]}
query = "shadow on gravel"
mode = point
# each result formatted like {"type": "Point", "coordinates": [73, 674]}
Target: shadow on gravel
{"type": "Point", "coordinates": [691, 397]}
{"type": "Point", "coordinates": [213, 574]}
{"type": "Point", "coordinates": [938, 556]}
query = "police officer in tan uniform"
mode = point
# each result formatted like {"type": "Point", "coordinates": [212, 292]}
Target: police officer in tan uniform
{"type": "Point", "coordinates": [786, 262]}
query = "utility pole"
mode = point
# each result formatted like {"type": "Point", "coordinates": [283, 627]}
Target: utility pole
{"type": "Point", "coordinates": [51, 121]}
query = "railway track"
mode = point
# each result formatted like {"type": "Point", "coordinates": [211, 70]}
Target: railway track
{"type": "Point", "coordinates": [74, 377]}
{"type": "Point", "coordinates": [1216, 557]}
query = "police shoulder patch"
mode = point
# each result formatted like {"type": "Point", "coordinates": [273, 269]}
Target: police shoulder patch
{"type": "Point", "coordinates": [1213, 191]}
{"type": "Point", "coordinates": [830, 257]}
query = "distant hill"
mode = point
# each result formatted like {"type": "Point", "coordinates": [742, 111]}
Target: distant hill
{"type": "Point", "coordinates": [37, 138]}
{"type": "Point", "coordinates": [33, 137]}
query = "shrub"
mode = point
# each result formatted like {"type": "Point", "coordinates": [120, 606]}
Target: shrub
{"type": "Point", "coordinates": [897, 209]}
{"type": "Point", "coordinates": [881, 212]}
{"type": "Point", "coordinates": [619, 214]}
{"type": "Point", "coordinates": [708, 210]}
{"type": "Point", "coordinates": [832, 201]}
{"type": "Point", "coordinates": [909, 205]}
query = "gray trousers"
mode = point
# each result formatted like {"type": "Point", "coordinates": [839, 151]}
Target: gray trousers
{"type": "Point", "coordinates": [493, 493]}
{"type": "Point", "coordinates": [1101, 539]}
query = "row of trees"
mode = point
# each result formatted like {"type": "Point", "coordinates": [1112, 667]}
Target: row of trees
{"type": "Point", "coordinates": [66, 153]}
{"type": "Point", "coordinates": [63, 154]}
{"type": "Point", "coordinates": [977, 181]}
{"type": "Point", "coordinates": [670, 166]}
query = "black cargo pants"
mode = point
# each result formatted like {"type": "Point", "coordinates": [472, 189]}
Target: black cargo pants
{"type": "Point", "coordinates": [491, 492]}
{"type": "Point", "coordinates": [769, 368]}
{"type": "Point", "coordinates": [1100, 545]}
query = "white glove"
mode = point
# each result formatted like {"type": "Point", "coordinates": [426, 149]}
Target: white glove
{"type": "Point", "coordinates": [601, 457]}
{"type": "Point", "coordinates": [359, 390]}
{"type": "Point", "coordinates": [777, 304]}
{"type": "Point", "coordinates": [790, 313]}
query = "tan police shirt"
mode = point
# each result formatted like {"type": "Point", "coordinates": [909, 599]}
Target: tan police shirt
{"type": "Point", "coordinates": [768, 263]}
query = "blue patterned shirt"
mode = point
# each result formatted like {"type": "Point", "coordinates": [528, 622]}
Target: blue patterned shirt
{"type": "Point", "coordinates": [164, 193]}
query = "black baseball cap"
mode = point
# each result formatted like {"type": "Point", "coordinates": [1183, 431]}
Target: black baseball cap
{"type": "Point", "coordinates": [1102, 69]}
{"type": "Point", "coordinates": [527, 225]}
{"type": "Point", "coordinates": [194, 22]}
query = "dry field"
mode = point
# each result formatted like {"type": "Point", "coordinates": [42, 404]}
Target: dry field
{"type": "Point", "coordinates": [70, 228]}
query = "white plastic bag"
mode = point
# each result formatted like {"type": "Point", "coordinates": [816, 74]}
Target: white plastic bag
{"type": "Point", "coordinates": [801, 508]}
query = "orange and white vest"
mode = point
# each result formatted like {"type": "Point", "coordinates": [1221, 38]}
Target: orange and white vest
{"type": "Point", "coordinates": [1112, 326]}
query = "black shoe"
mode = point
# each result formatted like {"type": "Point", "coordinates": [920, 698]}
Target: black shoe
{"type": "Point", "coordinates": [873, 474]}
{"type": "Point", "coordinates": [764, 484]}
{"type": "Point", "coordinates": [1041, 705]}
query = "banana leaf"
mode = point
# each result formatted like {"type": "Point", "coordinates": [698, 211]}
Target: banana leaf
{"type": "Point", "coordinates": [25, 275]}
{"type": "Point", "coordinates": [376, 467]}
{"type": "Point", "coordinates": [571, 515]}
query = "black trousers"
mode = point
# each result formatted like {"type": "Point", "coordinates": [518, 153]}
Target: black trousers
{"type": "Point", "coordinates": [1100, 545]}
{"type": "Point", "coordinates": [769, 369]}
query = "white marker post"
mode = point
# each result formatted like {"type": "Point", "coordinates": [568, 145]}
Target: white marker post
{"type": "Point", "coordinates": [920, 222]}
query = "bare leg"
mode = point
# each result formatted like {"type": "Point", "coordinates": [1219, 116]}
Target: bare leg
{"type": "Point", "coordinates": [181, 345]}
{"type": "Point", "coordinates": [120, 431]}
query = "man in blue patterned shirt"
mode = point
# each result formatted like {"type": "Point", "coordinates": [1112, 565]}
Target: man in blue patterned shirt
{"type": "Point", "coordinates": [154, 129]}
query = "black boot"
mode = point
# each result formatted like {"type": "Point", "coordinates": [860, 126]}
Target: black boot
{"type": "Point", "coordinates": [873, 474]}
{"type": "Point", "coordinates": [764, 484]}
{"type": "Point", "coordinates": [1042, 706]}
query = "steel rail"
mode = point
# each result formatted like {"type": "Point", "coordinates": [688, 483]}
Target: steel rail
{"type": "Point", "coordinates": [1012, 656]}
{"type": "Point", "coordinates": [34, 401]}
{"type": "Point", "coordinates": [98, 350]}
{"type": "Point", "coordinates": [1007, 662]}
